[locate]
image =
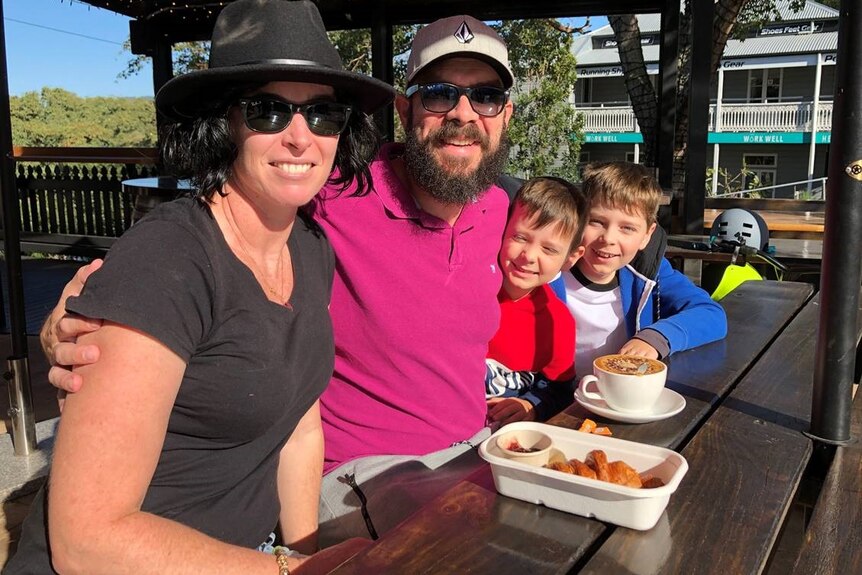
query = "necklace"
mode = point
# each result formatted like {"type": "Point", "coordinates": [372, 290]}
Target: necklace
{"type": "Point", "coordinates": [279, 294]}
{"type": "Point", "coordinates": [240, 241]}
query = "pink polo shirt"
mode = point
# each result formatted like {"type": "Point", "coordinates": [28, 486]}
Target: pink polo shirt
{"type": "Point", "coordinates": [413, 308]}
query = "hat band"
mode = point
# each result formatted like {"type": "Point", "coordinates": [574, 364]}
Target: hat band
{"type": "Point", "coordinates": [285, 62]}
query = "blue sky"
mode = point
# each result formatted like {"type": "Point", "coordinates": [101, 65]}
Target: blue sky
{"type": "Point", "coordinates": [74, 46]}
{"type": "Point", "coordinates": [69, 45]}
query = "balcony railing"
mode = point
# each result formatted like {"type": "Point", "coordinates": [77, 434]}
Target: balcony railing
{"type": "Point", "coordinates": [778, 117]}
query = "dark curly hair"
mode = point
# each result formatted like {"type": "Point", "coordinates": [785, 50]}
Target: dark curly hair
{"type": "Point", "coordinates": [201, 150]}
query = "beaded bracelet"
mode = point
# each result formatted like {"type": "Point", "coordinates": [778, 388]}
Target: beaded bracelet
{"type": "Point", "coordinates": [281, 555]}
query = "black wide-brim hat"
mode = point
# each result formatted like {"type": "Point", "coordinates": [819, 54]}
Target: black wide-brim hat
{"type": "Point", "coordinates": [262, 41]}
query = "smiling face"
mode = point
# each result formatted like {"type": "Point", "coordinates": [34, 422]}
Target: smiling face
{"type": "Point", "coordinates": [611, 240]}
{"type": "Point", "coordinates": [455, 155]}
{"type": "Point", "coordinates": [530, 256]}
{"type": "Point", "coordinates": [286, 168]}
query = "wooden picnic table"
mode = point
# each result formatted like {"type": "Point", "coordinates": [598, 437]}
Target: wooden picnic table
{"type": "Point", "coordinates": [801, 256]}
{"type": "Point", "coordinates": [785, 224]}
{"type": "Point", "coordinates": [740, 431]}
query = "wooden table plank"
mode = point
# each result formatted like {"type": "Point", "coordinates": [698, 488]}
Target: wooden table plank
{"type": "Point", "coordinates": [470, 529]}
{"type": "Point", "coordinates": [745, 464]}
{"type": "Point", "coordinates": [733, 458]}
{"type": "Point", "coordinates": [757, 312]}
{"type": "Point", "coordinates": [833, 540]}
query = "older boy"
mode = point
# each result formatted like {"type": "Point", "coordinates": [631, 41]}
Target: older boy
{"type": "Point", "coordinates": [618, 308]}
{"type": "Point", "coordinates": [530, 363]}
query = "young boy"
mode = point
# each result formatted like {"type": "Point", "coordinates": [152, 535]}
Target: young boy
{"type": "Point", "coordinates": [620, 307]}
{"type": "Point", "coordinates": [531, 357]}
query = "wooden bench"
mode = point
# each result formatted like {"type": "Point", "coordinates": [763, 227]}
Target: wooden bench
{"type": "Point", "coordinates": [833, 540]}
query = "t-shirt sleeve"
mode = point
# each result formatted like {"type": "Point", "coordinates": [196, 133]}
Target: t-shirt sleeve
{"type": "Point", "coordinates": [562, 364]}
{"type": "Point", "coordinates": [156, 279]}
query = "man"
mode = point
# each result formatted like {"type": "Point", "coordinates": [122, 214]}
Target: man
{"type": "Point", "coordinates": [414, 297]}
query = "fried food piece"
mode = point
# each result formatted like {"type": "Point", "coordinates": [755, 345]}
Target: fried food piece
{"type": "Point", "coordinates": [602, 431]}
{"type": "Point", "coordinates": [588, 426]}
{"type": "Point", "coordinates": [582, 469]}
{"type": "Point", "coordinates": [621, 473]}
{"type": "Point", "coordinates": [563, 466]}
{"type": "Point", "coordinates": [651, 482]}
{"type": "Point", "coordinates": [598, 460]}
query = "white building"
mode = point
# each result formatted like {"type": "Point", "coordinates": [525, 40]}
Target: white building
{"type": "Point", "coordinates": [771, 100]}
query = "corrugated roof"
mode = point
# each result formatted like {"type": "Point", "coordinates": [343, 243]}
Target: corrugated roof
{"type": "Point", "coordinates": [791, 44]}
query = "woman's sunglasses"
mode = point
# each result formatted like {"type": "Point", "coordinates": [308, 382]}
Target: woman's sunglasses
{"type": "Point", "coordinates": [440, 97]}
{"type": "Point", "coordinates": [270, 115]}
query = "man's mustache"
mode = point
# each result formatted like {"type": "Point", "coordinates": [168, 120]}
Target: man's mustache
{"type": "Point", "coordinates": [452, 131]}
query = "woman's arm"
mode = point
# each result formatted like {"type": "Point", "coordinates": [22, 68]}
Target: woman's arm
{"type": "Point", "coordinates": [108, 445]}
{"type": "Point", "coordinates": [300, 470]}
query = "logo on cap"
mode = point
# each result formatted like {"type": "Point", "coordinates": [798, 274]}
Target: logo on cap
{"type": "Point", "coordinates": [463, 34]}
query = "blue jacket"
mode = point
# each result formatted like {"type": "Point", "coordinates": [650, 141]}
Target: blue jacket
{"type": "Point", "coordinates": [660, 298]}
{"type": "Point", "coordinates": [687, 317]}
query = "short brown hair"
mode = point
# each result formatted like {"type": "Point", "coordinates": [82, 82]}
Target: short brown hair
{"type": "Point", "coordinates": [554, 201]}
{"type": "Point", "coordinates": [623, 185]}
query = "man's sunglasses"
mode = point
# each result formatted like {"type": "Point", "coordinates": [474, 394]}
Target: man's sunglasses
{"type": "Point", "coordinates": [440, 97]}
{"type": "Point", "coordinates": [270, 115]}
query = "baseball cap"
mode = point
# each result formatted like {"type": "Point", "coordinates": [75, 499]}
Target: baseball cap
{"type": "Point", "coordinates": [462, 36]}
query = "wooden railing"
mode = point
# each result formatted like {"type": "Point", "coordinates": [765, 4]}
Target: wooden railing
{"type": "Point", "coordinates": [71, 200]}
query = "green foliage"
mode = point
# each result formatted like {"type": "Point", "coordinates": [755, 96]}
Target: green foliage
{"type": "Point", "coordinates": [354, 46]}
{"type": "Point", "coordinates": [58, 118]}
{"type": "Point", "coordinates": [732, 185]}
{"type": "Point", "coordinates": [187, 56]}
{"type": "Point", "coordinates": [756, 13]}
{"type": "Point", "coordinates": [546, 131]}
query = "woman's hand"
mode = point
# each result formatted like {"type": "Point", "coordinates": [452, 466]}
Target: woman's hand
{"type": "Point", "coordinates": [60, 333]}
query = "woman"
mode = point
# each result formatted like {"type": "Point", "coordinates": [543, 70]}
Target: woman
{"type": "Point", "coordinates": [185, 461]}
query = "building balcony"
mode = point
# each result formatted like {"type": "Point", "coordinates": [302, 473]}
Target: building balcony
{"type": "Point", "coordinates": [733, 117]}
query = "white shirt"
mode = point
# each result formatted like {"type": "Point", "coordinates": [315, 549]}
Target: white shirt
{"type": "Point", "coordinates": [599, 321]}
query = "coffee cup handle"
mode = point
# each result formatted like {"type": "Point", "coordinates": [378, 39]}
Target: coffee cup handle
{"type": "Point", "coordinates": [582, 388]}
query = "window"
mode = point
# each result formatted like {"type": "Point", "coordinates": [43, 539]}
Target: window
{"type": "Point", "coordinates": [633, 157]}
{"type": "Point", "coordinates": [765, 85]}
{"type": "Point", "coordinates": [761, 168]}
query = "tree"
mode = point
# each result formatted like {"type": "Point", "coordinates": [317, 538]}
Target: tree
{"type": "Point", "coordinates": [187, 56]}
{"type": "Point", "coordinates": [58, 118]}
{"type": "Point", "coordinates": [546, 131]}
{"type": "Point", "coordinates": [732, 18]}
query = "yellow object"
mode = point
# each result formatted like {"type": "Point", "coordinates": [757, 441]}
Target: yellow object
{"type": "Point", "coordinates": [733, 276]}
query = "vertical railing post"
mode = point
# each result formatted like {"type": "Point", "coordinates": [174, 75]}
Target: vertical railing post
{"type": "Point", "coordinates": [842, 250]}
{"type": "Point", "coordinates": [17, 375]}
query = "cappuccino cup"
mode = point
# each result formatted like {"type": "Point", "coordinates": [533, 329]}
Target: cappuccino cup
{"type": "Point", "coordinates": [627, 383]}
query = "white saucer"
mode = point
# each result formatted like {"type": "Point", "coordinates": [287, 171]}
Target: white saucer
{"type": "Point", "coordinates": [669, 404]}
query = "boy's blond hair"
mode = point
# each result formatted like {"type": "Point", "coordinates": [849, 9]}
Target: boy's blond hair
{"type": "Point", "coordinates": [554, 201]}
{"type": "Point", "coordinates": [625, 186]}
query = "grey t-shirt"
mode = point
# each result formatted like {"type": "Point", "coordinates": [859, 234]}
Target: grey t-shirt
{"type": "Point", "coordinates": [254, 367]}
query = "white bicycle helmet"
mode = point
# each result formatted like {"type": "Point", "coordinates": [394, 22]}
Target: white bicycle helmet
{"type": "Point", "coordinates": [743, 226]}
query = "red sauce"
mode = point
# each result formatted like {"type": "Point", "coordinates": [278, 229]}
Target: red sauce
{"type": "Point", "coordinates": [518, 448]}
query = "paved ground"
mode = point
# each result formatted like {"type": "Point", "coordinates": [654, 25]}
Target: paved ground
{"type": "Point", "coordinates": [43, 282]}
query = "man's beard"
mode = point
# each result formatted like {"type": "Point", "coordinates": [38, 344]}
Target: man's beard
{"type": "Point", "coordinates": [450, 183]}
